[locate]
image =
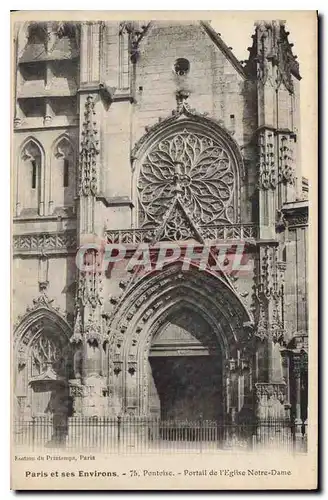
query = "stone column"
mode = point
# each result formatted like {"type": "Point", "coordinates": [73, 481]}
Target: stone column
{"type": "Point", "coordinates": [117, 385]}
{"type": "Point", "coordinates": [92, 404]}
{"type": "Point", "coordinates": [88, 329]}
{"type": "Point", "coordinates": [297, 389]}
{"type": "Point", "coordinates": [233, 376]}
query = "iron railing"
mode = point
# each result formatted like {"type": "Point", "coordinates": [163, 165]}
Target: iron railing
{"type": "Point", "coordinates": [147, 435]}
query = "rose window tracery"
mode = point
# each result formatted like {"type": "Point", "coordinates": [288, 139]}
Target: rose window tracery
{"type": "Point", "coordinates": [194, 167]}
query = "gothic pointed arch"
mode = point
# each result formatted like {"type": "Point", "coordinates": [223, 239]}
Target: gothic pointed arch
{"type": "Point", "coordinates": [30, 177]}
{"type": "Point", "coordinates": [63, 146]}
{"type": "Point", "coordinates": [31, 147]}
{"type": "Point", "coordinates": [43, 362]}
{"type": "Point", "coordinates": [157, 297]}
{"type": "Point", "coordinates": [192, 157]}
{"type": "Point", "coordinates": [177, 224]}
{"type": "Point", "coordinates": [62, 188]}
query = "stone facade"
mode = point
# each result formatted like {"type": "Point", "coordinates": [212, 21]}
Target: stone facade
{"type": "Point", "coordinates": [137, 133]}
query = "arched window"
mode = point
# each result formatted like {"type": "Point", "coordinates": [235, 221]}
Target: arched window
{"type": "Point", "coordinates": [62, 189]}
{"type": "Point", "coordinates": [30, 177]}
{"type": "Point", "coordinates": [194, 166]}
{"type": "Point", "coordinates": [123, 54]}
{"type": "Point", "coordinates": [44, 364]}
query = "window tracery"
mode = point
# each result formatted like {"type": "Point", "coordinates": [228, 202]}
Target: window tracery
{"type": "Point", "coordinates": [45, 353]}
{"type": "Point", "coordinates": [195, 167]}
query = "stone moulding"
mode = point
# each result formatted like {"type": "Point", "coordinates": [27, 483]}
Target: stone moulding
{"type": "Point", "coordinates": [185, 116]}
{"type": "Point", "coordinates": [151, 301]}
{"type": "Point", "coordinates": [296, 214]}
{"type": "Point", "coordinates": [89, 150]}
{"type": "Point", "coordinates": [229, 232]}
{"type": "Point", "coordinates": [38, 243]}
{"type": "Point", "coordinates": [270, 389]}
{"type": "Point", "coordinates": [41, 311]}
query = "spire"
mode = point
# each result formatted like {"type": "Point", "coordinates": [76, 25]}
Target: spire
{"type": "Point", "coordinates": [271, 57]}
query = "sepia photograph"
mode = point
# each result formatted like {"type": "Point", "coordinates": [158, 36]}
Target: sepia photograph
{"type": "Point", "coordinates": [161, 218]}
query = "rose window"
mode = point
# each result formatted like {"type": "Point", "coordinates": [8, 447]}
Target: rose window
{"type": "Point", "coordinates": [193, 167]}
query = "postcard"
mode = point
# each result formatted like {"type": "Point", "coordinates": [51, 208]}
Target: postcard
{"type": "Point", "coordinates": [164, 249]}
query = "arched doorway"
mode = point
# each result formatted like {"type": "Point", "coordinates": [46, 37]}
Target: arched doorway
{"type": "Point", "coordinates": [42, 358]}
{"type": "Point", "coordinates": [186, 369]}
{"type": "Point", "coordinates": [210, 320]}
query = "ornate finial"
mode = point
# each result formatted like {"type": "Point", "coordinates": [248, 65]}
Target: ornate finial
{"type": "Point", "coordinates": [89, 151]}
{"type": "Point", "coordinates": [77, 335]}
{"type": "Point", "coordinates": [42, 300]}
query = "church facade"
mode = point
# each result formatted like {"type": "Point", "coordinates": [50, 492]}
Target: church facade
{"type": "Point", "coordinates": [160, 223]}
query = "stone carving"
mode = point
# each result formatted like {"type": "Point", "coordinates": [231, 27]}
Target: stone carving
{"type": "Point", "coordinates": [286, 164]}
{"type": "Point", "coordinates": [281, 222]}
{"type": "Point", "coordinates": [117, 367]}
{"type": "Point", "coordinates": [271, 390]}
{"type": "Point", "coordinates": [177, 225]}
{"type": "Point", "coordinates": [298, 220]}
{"type": "Point", "coordinates": [49, 32]}
{"type": "Point", "coordinates": [88, 327]}
{"type": "Point", "coordinates": [267, 169]}
{"type": "Point", "coordinates": [31, 151]}
{"type": "Point", "coordinates": [92, 333]}
{"type": "Point", "coordinates": [136, 32]}
{"type": "Point", "coordinates": [41, 301]}
{"type": "Point", "coordinates": [207, 232]}
{"type": "Point", "coordinates": [269, 293]}
{"type": "Point", "coordinates": [262, 44]}
{"type": "Point", "coordinates": [182, 103]}
{"type": "Point", "coordinates": [169, 283]}
{"type": "Point", "coordinates": [90, 289]}
{"type": "Point", "coordinates": [78, 330]}
{"type": "Point", "coordinates": [271, 45]}
{"type": "Point", "coordinates": [64, 148]}
{"type": "Point", "coordinates": [75, 389]}
{"type": "Point", "coordinates": [185, 113]}
{"type": "Point", "coordinates": [45, 353]}
{"type": "Point", "coordinates": [286, 62]}
{"type": "Point", "coordinates": [197, 168]}
{"type": "Point", "coordinates": [132, 366]}
{"type": "Point", "coordinates": [270, 398]}
{"type": "Point", "coordinates": [89, 151]}
{"type": "Point", "coordinates": [229, 232]}
{"type": "Point", "coordinates": [40, 242]}
{"type": "Point", "coordinates": [67, 30]}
